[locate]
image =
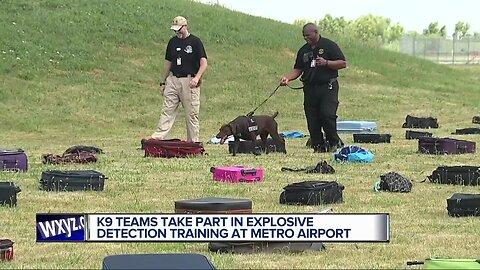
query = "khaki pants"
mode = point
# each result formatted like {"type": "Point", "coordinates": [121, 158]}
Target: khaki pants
{"type": "Point", "coordinates": [177, 90]}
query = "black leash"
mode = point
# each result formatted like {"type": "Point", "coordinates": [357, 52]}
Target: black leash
{"type": "Point", "coordinates": [295, 88]}
{"type": "Point", "coordinates": [274, 91]}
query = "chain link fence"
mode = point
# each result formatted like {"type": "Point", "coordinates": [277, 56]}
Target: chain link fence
{"type": "Point", "coordinates": [442, 50]}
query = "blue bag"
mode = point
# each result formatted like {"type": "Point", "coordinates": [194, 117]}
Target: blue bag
{"type": "Point", "coordinates": [353, 153]}
{"type": "Point", "coordinates": [292, 134]}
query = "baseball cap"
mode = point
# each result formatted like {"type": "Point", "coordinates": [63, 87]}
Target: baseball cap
{"type": "Point", "coordinates": [178, 22]}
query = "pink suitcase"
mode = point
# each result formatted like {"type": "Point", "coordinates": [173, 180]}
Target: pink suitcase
{"type": "Point", "coordinates": [235, 174]}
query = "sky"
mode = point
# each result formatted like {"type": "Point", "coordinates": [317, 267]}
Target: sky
{"type": "Point", "coordinates": [413, 15]}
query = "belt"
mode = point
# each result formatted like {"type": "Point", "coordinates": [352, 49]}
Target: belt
{"type": "Point", "coordinates": [332, 80]}
{"type": "Point", "coordinates": [183, 75]}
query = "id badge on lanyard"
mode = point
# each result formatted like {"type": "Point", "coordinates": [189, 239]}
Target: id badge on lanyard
{"type": "Point", "coordinates": [179, 59]}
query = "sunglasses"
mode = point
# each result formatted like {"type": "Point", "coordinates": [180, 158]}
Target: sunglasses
{"type": "Point", "coordinates": [176, 31]}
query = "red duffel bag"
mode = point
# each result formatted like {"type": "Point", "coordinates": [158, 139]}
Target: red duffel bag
{"type": "Point", "coordinates": [172, 148]}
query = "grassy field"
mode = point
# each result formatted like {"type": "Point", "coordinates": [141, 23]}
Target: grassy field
{"type": "Point", "coordinates": [86, 72]}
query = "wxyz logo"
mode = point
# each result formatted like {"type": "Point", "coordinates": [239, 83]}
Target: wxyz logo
{"type": "Point", "coordinates": [66, 226]}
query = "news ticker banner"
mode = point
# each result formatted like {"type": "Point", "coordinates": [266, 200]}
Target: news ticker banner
{"type": "Point", "coordinates": [117, 227]}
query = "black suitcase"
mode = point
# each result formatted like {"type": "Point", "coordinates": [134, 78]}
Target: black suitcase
{"type": "Point", "coordinates": [312, 193]}
{"type": "Point", "coordinates": [8, 193]}
{"type": "Point", "coordinates": [213, 205]}
{"type": "Point", "coordinates": [248, 147]}
{"type": "Point", "coordinates": [456, 175]}
{"type": "Point", "coordinates": [72, 180]}
{"type": "Point", "coordinates": [464, 131]}
{"type": "Point", "coordinates": [157, 261]}
{"type": "Point", "coordinates": [476, 120]}
{"type": "Point", "coordinates": [412, 134]}
{"type": "Point", "coordinates": [462, 204]}
{"type": "Point", "coordinates": [371, 138]}
{"type": "Point", "coordinates": [264, 247]}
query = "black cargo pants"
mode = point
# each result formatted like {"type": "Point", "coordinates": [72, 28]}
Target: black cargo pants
{"type": "Point", "coordinates": [320, 104]}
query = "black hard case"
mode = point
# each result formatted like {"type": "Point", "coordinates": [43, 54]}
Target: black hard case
{"type": "Point", "coordinates": [371, 138]}
{"type": "Point", "coordinates": [263, 247]}
{"type": "Point", "coordinates": [445, 146]}
{"type": "Point", "coordinates": [462, 204]}
{"type": "Point", "coordinates": [248, 147]}
{"type": "Point", "coordinates": [456, 175]}
{"type": "Point", "coordinates": [213, 205]}
{"type": "Point", "coordinates": [312, 193]}
{"type": "Point", "coordinates": [157, 261]}
{"type": "Point", "coordinates": [78, 180]}
{"type": "Point", "coordinates": [412, 134]}
{"type": "Point", "coordinates": [8, 193]}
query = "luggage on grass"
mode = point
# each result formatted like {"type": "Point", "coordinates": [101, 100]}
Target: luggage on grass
{"type": "Point", "coordinates": [77, 180]}
{"type": "Point", "coordinates": [8, 193]}
{"type": "Point", "coordinates": [264, 247]}
{"type": "Point", "coordinates": [456, 175]}
{"type": "Point", "coordinates": [6, 250]}
{"type": "Point", "coordinates": [412, 134]}
{"type": "Point", "coordinates": [249, 147]}
{"type": "Point", "coordinates": [445, 146]}
{"type": "Point", "coordinates": [393, 182]}
{"type": "Point", "coordinates": [312, 193]}
{"type": "Point", "coordinates": [371, 138]}
{"type": "Point", "coordinates": [463, 204]}
{"type": "Point", "coordinates": [174, 148]}
{"type": "Point", "coordinates": [356, 126]}
{"type": "Point", "coordinates": [465, 131]}
{"type": "Point", "coordinates": [420, 122]}
{"type": "Point", "coordinates": [235, 174]}
{"type": "Point", "coordinates": [13, 160]}
{"type": "Point", "coordinates": [321, 167]}
{"type": "Point", "coordinates": [157, 261]}
{"type": "Point", "coordinates": [76, 157]}
{"type": "Point", "coordinates": [213, 205]}
{"type": "Point", "coordinates": [476, 120]}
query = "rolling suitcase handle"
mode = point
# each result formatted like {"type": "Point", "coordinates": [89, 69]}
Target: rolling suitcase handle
{"type": "Point", "coordinates": [251, 171]}
{"type": "Point", "coordinates": [462, 149]}
{"type": "Point", "coordinates": [7, 162]}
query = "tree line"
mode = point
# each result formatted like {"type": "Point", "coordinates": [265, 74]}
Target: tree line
{"type": "Point", "coordinates": [378, 29]}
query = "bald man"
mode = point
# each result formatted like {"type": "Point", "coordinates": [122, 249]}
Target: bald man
{"type": "Point", "coordinates": [318, 62]}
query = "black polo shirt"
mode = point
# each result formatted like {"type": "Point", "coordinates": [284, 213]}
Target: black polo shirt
{"type": "Point", "coordinates": [190, 50]}
{"type": "Point", "coordinates": [325, 48]}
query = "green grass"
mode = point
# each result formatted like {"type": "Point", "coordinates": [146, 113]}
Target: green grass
{"type": "Point", "coordinates": [87, 73]}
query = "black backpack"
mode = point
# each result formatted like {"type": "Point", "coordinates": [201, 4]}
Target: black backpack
{"type": "Point", "coordinates": [321, 167]}
{"type": "Point", "coordinates": [394, 182]}
{"type": "Point", "coordinates": [420, 122]}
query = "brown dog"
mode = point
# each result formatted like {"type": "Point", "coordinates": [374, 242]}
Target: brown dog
{"type": "Point", "coordinates": [248, 128]}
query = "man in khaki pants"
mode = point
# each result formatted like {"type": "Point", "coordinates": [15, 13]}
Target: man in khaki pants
{"type": "Point", "coordinates": [185, 63]}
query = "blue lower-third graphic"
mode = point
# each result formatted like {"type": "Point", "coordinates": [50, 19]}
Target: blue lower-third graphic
{"type": "Point", "coordinates": [60, 227]}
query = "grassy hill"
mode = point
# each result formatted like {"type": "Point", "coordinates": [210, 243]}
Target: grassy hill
{"type": "Point", "coordinates": [86, 72]}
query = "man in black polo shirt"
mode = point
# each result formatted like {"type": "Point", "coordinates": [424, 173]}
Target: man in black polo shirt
{"type": "Point", "coordinates": [185, 63]}
{"type": "Point", "coordinates": [318, 61]}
